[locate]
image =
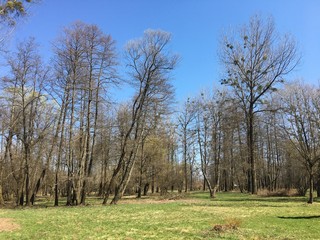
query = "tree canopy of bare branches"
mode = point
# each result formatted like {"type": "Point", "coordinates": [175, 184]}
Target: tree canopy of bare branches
{"type": "Point", "coordinates": [256, 59]}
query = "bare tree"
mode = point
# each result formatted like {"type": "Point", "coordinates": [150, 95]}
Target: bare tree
{"type": "Point", "coordinates": [149, 64]}
{"type": "Point", "coordinates": [301, 126]}
{"type": "Point", "coordinates": [10, 12]}
{"type": "Point", "coordinates": [256, 60]}
{"type": "Point", "coordinates": [185, 120]}
{"type": "Point", "coordinates": [210, 136]}
{"type": "Point", "coordinates": [85, 70]}
{"type": "Point", "coordinates": [25, 85]}
{"type": "Point", "coordinates": [203, 139]}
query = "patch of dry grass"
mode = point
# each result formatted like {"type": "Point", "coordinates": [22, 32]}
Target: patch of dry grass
{"type": "Point", "coordinates": [8, 225]}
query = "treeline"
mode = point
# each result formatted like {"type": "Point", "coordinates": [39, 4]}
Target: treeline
{"type": "Point", "coordinates": [62, 135]}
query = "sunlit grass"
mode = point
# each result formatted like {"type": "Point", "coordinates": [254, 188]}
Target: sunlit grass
{"type": "Point", "coordinates": [192, 217]}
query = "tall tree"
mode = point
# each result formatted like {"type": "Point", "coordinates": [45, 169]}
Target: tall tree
{"type": "Point", "coordinates": [149, 64]}
{"type": "Point", "coordinates": [185, 120]}
{"type": "Point", "coordinates": [203, 140]}
{"type": "Point", "coordinates": [85, 63]}
{"type": "Point", "coordinates": [10, 12]}
{"type": "Point", "coordinates": [25, 85]}
{"type": "Point", "coordinates": [256, 60]}
{"type": "Point", "coordinates": [210, 136]}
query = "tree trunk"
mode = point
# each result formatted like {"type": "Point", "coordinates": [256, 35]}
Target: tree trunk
{"type": "Point", "coordinates": [311, 188]}
{"type": "Point", "coordinates": [87, 163]}
{"type": "Point", "coordinates": [145, 189]}
{"type": "Point", "coordinates": [185, 159]}
{"type": "Point", "coordinates": [33, 197]}
{"type": "Point", "coordinates": [252, 176]}
{"type": "Point", "coordinates": [124, 181]}
{"type": "Point", "coordinates": [141, 171]}
{"type": "Point", "coordinates": [318, 186]}
{"type": "Point", "coordinates": [56, 186]}
{"type": "Point", "coordinates": [53, 145]}
{"type": "Point", "coordinates": [152, 181]}
{"type": "Point", "coordinates": [1, 194]}
{"type": "Point", "coordinates": [140, 185]}
{"type": "Point", "coordinates": [27, 175]}
{"type": "Point", "coordinates": [191, 178]}
{"type": "Point", "coordinates": [56, 190]}
{"type": "Point", "coordinates": [69, 188]}
{"type": "Point", "coordinates": [203, 157]}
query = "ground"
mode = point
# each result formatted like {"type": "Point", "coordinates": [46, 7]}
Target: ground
{"type": "Point", "coordinates": [192, 216]}
{"type": "Point", "coordinates": [8, 224]}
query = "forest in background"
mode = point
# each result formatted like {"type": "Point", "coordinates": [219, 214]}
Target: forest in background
{"type": "Point", "coordinates": [62, 135]}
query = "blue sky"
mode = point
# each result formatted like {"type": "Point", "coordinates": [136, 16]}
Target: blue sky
{"type": "Point", "coordinates": [196, 26]}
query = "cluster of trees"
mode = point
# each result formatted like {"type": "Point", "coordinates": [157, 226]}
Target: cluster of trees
{"type": "Point", "coordinates": [61, 134]}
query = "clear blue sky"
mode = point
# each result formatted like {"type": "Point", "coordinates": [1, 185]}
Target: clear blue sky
{"type": "Point", "coordinates": [196, 26]}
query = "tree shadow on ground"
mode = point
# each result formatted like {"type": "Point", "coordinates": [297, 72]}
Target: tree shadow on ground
{"type": "Point", "coordinates": [236, 197]}
{"type": "Point", "coordinates": [300, 217]}
{"type": "Point", "coordinates": [264, 199]}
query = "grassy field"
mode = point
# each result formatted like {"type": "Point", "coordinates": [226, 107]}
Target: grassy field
{"type": "Point", "coordinates": [229, 216]}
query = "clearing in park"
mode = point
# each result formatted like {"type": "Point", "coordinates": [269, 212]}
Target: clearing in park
{"type": "Point", "coordinates": [188, 216]}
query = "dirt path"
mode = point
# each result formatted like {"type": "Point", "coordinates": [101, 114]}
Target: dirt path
{"type": "Point", "coordinates": [7, 224]}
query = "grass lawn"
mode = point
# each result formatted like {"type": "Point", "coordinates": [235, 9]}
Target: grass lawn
{"type": "Point", "coordinates": [193, 217]}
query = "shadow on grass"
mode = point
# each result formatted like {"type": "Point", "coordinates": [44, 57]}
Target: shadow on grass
{"type": "Point", "coordinates": [247, 198]}
{"type": "Point", "coordinates": [300, 217]}
{"type": "Point", "coordinates": [266, 199]}
{"type": "Point", "coordinates": [254, 198]}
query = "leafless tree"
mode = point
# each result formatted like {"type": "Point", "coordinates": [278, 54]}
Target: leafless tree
{"type": "Point", "coordinates": [26, 100]}
{"type": "Point", "coordinates": [256, 59]}
{"type": "Point", "coordinates": [185, 120]}
{"type": "Point", "coordinates": [301, 125]}
{"type": "Point", "coordinates": [85, 63]}
{"type": "Point", "coordinates": [149, 64]}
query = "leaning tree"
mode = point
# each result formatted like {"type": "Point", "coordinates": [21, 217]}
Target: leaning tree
{"type": "Point", "coordinates": [149, 63]}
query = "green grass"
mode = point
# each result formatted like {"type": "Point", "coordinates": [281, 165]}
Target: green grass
{"type": "Point", "coordinates": [190, 218]}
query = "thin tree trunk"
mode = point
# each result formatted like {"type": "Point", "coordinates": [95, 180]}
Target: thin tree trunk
{"type": "Point", "coordinates": [71, 147]}
{"type": "Point", "coordinates": [56, 189]}
{"type": "Point", "coordinates": [1, 193]}
{"type": "Point", "coordinates": [311, 187]}
{"type": "Point", "coordinates": [140, 183]}
{"type": "Point", "coordinates": [53, 145]}
{"type": "Point", "coordinates": [191, 178]}
{"type": "Point", "coordinates": [185, 159]}
{"type": "Point", "coordinates": [141, 170]}
{"type": "Point", "coordinates": [26, 146]}
{"type": "Point", "coordinates": [203, 165]}
{"type": "Point", "coordinates": [83, 150]}
{"type": "Point", "coordinates": [252, 176]}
